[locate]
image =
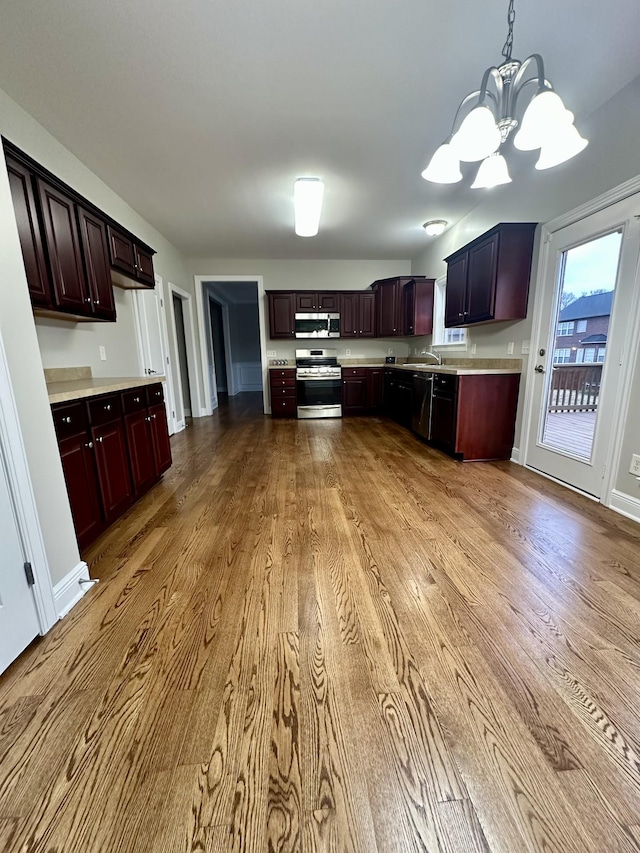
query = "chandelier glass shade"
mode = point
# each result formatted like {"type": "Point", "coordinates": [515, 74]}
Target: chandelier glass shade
{"type": "Point", "coordinates": [487, 117]}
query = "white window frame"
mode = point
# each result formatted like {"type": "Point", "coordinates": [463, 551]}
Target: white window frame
{"type": "Point", "coordinates": [581, 326]}
{"type": "Point", "coordinates": [454, 338]}
{"type": "Point", "coordinates": [591, 351]}
{"type": "Point", "coordinates": [600, 355]}
{"type": "Point", "coordinates": [562, 355]}
{"type": "Point", "coordinates": [565, 329]}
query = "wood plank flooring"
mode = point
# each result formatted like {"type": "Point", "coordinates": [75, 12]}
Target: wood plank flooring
{"type": "Point", "coordinates": [325, 636]}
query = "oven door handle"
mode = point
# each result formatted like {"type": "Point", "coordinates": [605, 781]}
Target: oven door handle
{"type": "Point", "coordinates": [318, 378]}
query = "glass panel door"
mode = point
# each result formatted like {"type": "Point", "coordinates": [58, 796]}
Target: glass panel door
{"type": "Point", "coordinates": [584, 302]}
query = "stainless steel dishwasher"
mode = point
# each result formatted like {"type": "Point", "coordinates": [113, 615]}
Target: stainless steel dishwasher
{"type": "Point", "coordinates": [422, 392]}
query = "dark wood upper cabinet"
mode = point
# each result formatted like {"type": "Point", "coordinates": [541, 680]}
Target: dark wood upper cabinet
{"type": "Point", "coordinates": [31, 241]}
{"type": "Point", "coordinates": [390, 306]}
{"type": "Point", "coordinates": [316, 301]}
{"type": "Point", "coordinates": [144, 265]}
{"type": "Point", "coordinates": [130, 258]}
{"type": "Point", "coordinates": [282, 308]}
{"type": "Point", "coordinates": [418, 306]}
{"type": "Point", "coordinates": [70, 292]}
{"type": "Point", "coordinates": [488, 279]}
{"type": "Point", "coordinates": [121, 251]}
{"type": "Point", "coordinates": [93, 235]}
{"type": "Point", "coordinates": [357, 314]}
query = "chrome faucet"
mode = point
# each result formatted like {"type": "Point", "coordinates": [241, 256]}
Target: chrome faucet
{"type": "Point", "coordinates": [435, 355]}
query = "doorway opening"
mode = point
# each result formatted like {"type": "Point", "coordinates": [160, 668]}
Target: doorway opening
{"type": "Point", "coordinates": [183, 355]}
{"type": "Point", "coordinates": [233, 344]}
{"type": "Point", "coordinates": [181, 341]}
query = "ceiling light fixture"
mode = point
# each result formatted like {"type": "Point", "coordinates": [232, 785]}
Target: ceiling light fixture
{"type": "Point", "coordinates": [435, 227]}
{"type": "Point", "coordinates": [307, 204]}
{"type": "Point", "coordinates": [545, 124]}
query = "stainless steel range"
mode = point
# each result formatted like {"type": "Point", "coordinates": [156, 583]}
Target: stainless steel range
{"type": "Point", "coordinates": [318, 383]}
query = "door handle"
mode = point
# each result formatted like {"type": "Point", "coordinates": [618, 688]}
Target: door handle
{"type": "Point", "coordinates": [539, 368]}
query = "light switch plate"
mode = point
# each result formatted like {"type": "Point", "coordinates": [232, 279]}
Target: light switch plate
{"type": "Point", "coordinates": [103, 354]}
{"type": "Point", "coordinates": [635, 465]}
{"type": "Point", "coordinates": [474, 349]}
{"type": "Point", "coordinates": [347, 352]}
{"type": "Point", "coordinates": [510, 347]}
{"type": "Point", "coordinates": [525, 347]}
{"type": "Point", "coordinates": [389, 351]}
{"type": "Point", "coordinates": [271, 353]}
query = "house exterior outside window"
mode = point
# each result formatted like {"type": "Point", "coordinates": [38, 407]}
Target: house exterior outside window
{"type": "Point", "coordinates": [582, 328]}
{"type": "Point", "coordinates": [562, 356]}
{"type": "Point", "coordinates": [565, 329]}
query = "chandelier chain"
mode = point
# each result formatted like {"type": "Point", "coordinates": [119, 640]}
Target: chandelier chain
{"type": "Point", "coordinates": [508, 45]}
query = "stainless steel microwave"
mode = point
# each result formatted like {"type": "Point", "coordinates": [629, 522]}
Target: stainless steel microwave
{"type": "Point", "coordinates": [317, 325]}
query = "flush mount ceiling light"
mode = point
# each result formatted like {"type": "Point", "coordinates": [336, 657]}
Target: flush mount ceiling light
{"type": "Point", "coordinates": [435, 227]}
{"type": "Point", "coordinates": [491, 116]}
{"type": "Point", "coordinates": [307, 204]}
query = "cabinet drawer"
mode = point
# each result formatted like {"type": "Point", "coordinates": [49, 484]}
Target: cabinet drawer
{"type": "Point", "coordinates": [288, 373]}
{"type": "Point", "coordinates": [70, 419]}
{"type": "Point", "coordinates": [282, 383]}
{"type": "Point", "coordinates": [102, 410]}
{"type": "Point", "coordinates": [154, 394]}
{"type": "Point", "coordinates": [446, 383]}
{"type": "Point", "coordinates": [288, 391]}
{"type": "Point", "coordinates": [134, 400]}
{"type": "Point", "coordinates": [354, 372]}
{"type": "Point", "coordinates": [284, 408]}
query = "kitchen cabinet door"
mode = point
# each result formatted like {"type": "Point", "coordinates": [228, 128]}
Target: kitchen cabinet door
{"type": "Point", "coordinates": [305, 301]}
{"type": "Point", "coordinates": [144, 265]}
{"type": "Point", "coordinates": [367, 314]}
{"type": "Point", "coordinates": [143, 468]}
{"type": "Point", "coordinates": [349, 315]}
{"type": "Point", "coordinates": [160, 438]}
{"type": "Point", "coordinates": [456, 292]}
{"type": "Point", "coordinates": [328, 302]}
{"type": "Point", "coordinates": [78, 465]}
{"type": "Point", "coordinates": [389, 296]}
{"type": "Point", "coordinates": [481, 281]}
{"type": "Point", "coordinates": [353, 394]}
{"type": "Point", "coordinates": [93, 234]}
{"type": "Point", "coordinates": [418, 306]}
{"type": "Point", "coordinates": [281, 314]}
{"type": "Point", "coordinates": [121, 251]}
{"type": "Point", "coordinates": [63, 243]}
{"type": "Point", "coordinates": [374, 388]}
{"type": "Point", "coordinates": [443, 421]}
{"type": "Point", "coordinates": [113, 468]}
{"type": "Point", "coordinates": [30, 233]}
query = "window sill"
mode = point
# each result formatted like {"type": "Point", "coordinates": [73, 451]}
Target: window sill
{"type": "Point", "coordinates": [456, 345]}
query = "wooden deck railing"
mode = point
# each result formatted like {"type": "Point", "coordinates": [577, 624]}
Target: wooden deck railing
{"type": "Point", "coordinates": [575, 387]}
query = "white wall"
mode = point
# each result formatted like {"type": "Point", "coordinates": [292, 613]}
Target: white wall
{"type": "Point", "coordinates": [610, 159]}
{"type": "Point", "coordinates": [30, 344]}
{"type": "Point", "coordinates": [288, 274]}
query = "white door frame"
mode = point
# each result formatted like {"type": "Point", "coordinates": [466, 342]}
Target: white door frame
{"type": "Point", "coordinates": [226, 331]}
{"type": "Point", "coordinates": [192, 352]}
{"type": "Point", "coordinates": [200, 281]}
{"type": "Point", "coordinates": [170, 397]}
{"type": "Point", "coordinates": [631, 343]}
{"type": "Point", "coordinates": [23, 499]}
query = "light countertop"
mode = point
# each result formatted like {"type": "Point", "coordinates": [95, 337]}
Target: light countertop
{"type": "Point", "coordinates": [78, 389]}
{"type": "Point", "coordinates": [451, 369]}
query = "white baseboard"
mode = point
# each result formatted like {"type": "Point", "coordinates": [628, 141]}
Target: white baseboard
{"type": "Point", "coordinates": [69, 590]}
{"type": "Point", "coordinates": [625, 505]}
{"type": "Point", "coordinates": [515, 455]}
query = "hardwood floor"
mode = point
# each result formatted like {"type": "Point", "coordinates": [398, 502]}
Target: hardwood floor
{"type": "Point", "coordinates": [325, 636]}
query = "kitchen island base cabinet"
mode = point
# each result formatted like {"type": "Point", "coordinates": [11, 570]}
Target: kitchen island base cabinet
{"type": "Point", "coordinates": [473, 417]}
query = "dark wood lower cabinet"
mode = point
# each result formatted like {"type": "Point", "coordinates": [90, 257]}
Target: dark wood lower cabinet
{"type": "Point", "coordinates": [160, 439]}
{"type": "Point", "coordinates": [109, 458]}
{"type": "Point", "coordinates": [139, 439]}
{"type": "Point", "coordinates": [113, 468]}
{"type": "Point", "coordinates": [78, 464]}
{"type": "Point", "coordinates": [361, 390]}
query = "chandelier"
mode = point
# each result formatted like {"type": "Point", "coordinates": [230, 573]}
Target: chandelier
{"type": "Point", "coordinates": [546, 124]}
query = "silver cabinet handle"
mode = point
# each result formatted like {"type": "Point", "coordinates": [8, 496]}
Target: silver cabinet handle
{"type": "Point", "coordinates": [136, 399]}
{"type": "Point", "coordinates": [100, 438]}
{"type": "Point", "coordinates": [97, 301]}
{"type": "Point", "coordinates": [87, 299]}
{"type": "Point", "coordinates": [107, 408]}
{"type": "Point", "coordinates": [89, 445]}
{"type": "Point", "coordinates": [67, 420]}
{"type": "Point", "coordinates": [148, 419]}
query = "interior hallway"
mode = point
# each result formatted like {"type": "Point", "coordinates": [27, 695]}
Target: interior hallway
{"type": "Point", "coordinates": [321, 636]}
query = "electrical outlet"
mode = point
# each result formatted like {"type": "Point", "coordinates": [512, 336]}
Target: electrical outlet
{"type": "Point", "coordinates": [635, 465]}
{"type": "Point", "coordinates": [103, 354]}
{"type": "Point", "coordinates": [474, 349]}
{"type": "Point", "coordinates": [271, 353]}
{"type": "Point", "coordinates": [510, 347]}
{"type": "Point", "coordinates": [525, 347]}
{"type": "Point", "coordinates": [389, 351]}
{"type": "Point", "coordinates": [347, 352]}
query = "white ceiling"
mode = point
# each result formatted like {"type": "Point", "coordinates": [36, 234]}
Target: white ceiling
{"type": "Point", "coordinates": [202, 114]}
